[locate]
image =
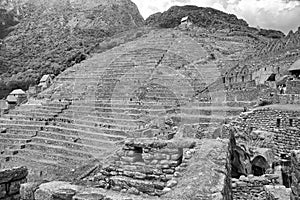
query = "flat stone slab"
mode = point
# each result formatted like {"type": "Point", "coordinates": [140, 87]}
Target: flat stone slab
{"type": "Point", "coordinates": [278, 192]}
{"type": "Point", "coordinates": [56, 190]}
{"type": "Point", "coordinates": [206, 173]}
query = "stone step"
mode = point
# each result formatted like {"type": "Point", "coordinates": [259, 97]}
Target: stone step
{"type": "Point", "coordinates": [39, 169]}
{"type": "Point", "coordinates": [17, 117]}
{"type": "Point", "coordinates": [60, 159]}
{"type": "Point", "coordinates": [113, 129]}
{"type": "Point", "coordinates": [52, 148]}
{"type": "Point", "coordinates": [127, 103]}
{"type": "Point", "coordinates": [83, 140]}
{"type": "Point", "coordinates": [118, 118]}
{"type": "Point", "coordinates": [20, 131]}
{"type": "Point", "coordinates": [56, 103]}
{"type": "Point", "coordinates": [69, 145]}
{"type": "Point", "coordinates": [22, 122]}
{"type": "Point", "coordinates": [154, 107]}
{"type": "Point", "coordinates": [14, 140]}
{"type": "Point", "coordinates": [15, 136]}
{"type": "Point", "coordinates": [145, 186]}
{"type": "Point", "coordinates": [110, 136]}
{"type": "Point", "coordinates": [51, 108]}
{"type": "Point", "coordinates": [5, 145]}
{"type": "Point", "coordinates": [96, 125]}
{"type": "Point", "coordinates": [38, 111]}
{"type": "Point", "coordinates": [34, 114]}
{"type": "Point", "coordinates": [94, 119]}
{"type": "Point", "coordinates": [20, 126]}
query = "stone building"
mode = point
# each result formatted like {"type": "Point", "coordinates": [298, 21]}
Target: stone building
{"type": "Point", "coordinates": [293, 85]}
{"type": "Point", "coordinates": [186, 22]}
{"type": "Point", "coordinates": [267, 75]}
{"type": "Point", "coordinates": [12, 101]}
{"type": "Point", "coordinates": [45, 81]}
{"type": "Point", "coordinates": [3, 106]}
{"type": "Point", "coordinates": [34, 90]}
{"type": "Point", "coordinates": [238, 78]}
{"type": "Point", "coordinates": [19, 95]}
{"type": "Point", "coordinates": [295, 69]}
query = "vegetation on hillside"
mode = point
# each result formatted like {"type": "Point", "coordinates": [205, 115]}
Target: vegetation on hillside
{"type": "Point", "coordinates": [205, 17]}
{"type": "Point", "coordinates": [50, 39]}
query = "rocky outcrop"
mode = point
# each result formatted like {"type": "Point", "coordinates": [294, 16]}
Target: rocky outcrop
{"type": "Point", "coordinates": [54, 35]}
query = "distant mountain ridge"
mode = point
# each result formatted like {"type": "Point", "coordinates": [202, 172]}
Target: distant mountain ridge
{"type": "Point", "coordinates": [90, 13]}
{"type": "Point", "coordinates": [205, 17]}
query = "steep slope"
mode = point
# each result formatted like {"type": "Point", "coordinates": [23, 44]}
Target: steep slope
{"type": "Point", "coordinates": [7, 20]}
{"type": "Point", "coordinates": [208, 18]}
{"type": "Point", "coordinates": [53, 35]}
{"type": "Point", "coordinates": [149, 87]}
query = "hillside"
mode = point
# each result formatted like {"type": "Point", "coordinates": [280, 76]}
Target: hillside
{"type": "Point", "coordinates": [144, 88]}
{"type": "Point", "coordinates": [208, 18]}
{"type": "Point", "coordinates": [48, 37]}
{"type": "Point", "coordinates": [138, 111]}
{"type": "Point", "coordinates": [53, 35]}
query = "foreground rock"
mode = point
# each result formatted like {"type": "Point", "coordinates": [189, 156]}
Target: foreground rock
{"type": "Point", "coordinates": [10, 181]}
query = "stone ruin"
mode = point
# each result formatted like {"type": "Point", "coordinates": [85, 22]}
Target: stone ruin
{"type": "Point", "coordinates": [10, 182]}
{"type": "Point", "coordinates": [146, 169]}
{"type": "Point", "coordinates": [268, 141]}
{"type": "Point", "coordinates": [143, 121]}
{"type": "Point", "coordinates": [146, 166]}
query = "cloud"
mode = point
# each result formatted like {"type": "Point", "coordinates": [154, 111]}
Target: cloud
{"type": "Point", "coordinates": [282, 15]}
{"type": "Point", "coordinates": [276, 15]}
{"type": "Point", "coordinates": [180, 1]}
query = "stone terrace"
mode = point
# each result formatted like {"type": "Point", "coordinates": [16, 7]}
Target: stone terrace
{"type": "Point", "coordinates": [282, 122]}
{"type": "Point", "coordinates": [151, 87]}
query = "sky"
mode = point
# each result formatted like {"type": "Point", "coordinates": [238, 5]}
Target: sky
{"type": "Point", "coordinates": [281, 15]}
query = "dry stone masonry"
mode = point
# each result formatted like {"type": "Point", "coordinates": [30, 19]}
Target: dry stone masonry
{"type": "Point", "coordinates": [10, 182]}
{"type": "Point", "coordinates": [203, 174]}
{"type": "Point", "coordinates": [282, 124]}
{"type": "Point", "coordinates": [145, 166]}
{"type": "Point", "coordinates": [252, 187]}
{"type": "Point", "coordinates": [295, 195]}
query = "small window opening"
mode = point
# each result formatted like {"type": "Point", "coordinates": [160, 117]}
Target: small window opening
{"type": "Point", "coordinates": [138, 151]}
{"type": "Point", "coordinates": [278, 123]}
{"type": "Point", "coordinates": [224, 81]}
{"type": "Point", "coordinates": [259, 166]}
{"type": "Point", "coordinates": [243, 78]}
{"type": "Point", "coordinates": [291, 122]}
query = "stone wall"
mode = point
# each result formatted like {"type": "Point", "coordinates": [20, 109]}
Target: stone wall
{"type": "Point", "coordinates": [277, 192]}
{"type": "Point", "coordinates": [144, 166]}
{"type": "Point", "coordinates": [293, 87]}
{"type": "Point", "coordinates": [242, 95]}
{"type": "Point", "coordinates": [284, 126]}
{"type": "Point", "coordinates": [295, 194]}
{"type": "Point", "coordinates": [259, 188]}
{"type": "Point", "coordinates": [289, 98]}
{"type": "Point", "coordinates": [10, 181]}
{"type": "Point", "coordinates": [204, 173]}
{"type": "Point", "coordinates": [249, 188]}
